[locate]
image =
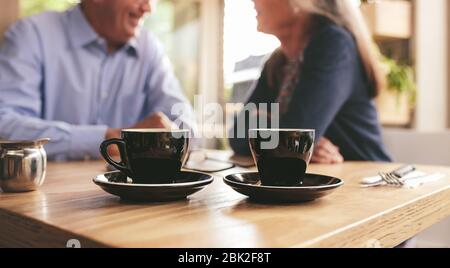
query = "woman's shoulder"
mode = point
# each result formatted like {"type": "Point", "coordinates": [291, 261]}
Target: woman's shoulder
{"type": "Point", "coordinates": [333, 37]}
{"type": "Point", "coordinates": [333, 30]}
{"type": "Point", "coordinates": [331, 45]}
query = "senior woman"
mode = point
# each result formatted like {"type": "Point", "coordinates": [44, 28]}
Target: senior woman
{"type": "Point", "coordinates": [324, 77]}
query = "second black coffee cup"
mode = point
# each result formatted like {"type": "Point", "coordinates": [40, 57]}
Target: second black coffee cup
{"type": "Point", "coordinates": [151, 156]}
{"type": "Point", "coordinates": [281, 155]}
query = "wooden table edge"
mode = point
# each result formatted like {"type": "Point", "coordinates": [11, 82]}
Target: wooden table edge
{"type": "Point", "coordinates": [25, 232]}
{"type": "Point", "coordinates": [360, 234]}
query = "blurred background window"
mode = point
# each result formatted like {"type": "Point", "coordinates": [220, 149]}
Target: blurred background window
{"type": "Point", "coordinates": [245, 49]}
{"type": "Point", "coordinates": [177, 24]}
{"type": "Point", "coordinates": [30, 7]}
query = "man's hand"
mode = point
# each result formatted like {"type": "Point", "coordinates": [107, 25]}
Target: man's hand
{"type": "Point", "coordinates": [326, 152]}
{"type": "Point", "coordinates": [156, 120]}
{"type": "Point", "coordinates": [113, 133]}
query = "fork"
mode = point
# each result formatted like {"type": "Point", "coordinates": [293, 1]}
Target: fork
{"type": "Point", "coordinates": [394, 177]}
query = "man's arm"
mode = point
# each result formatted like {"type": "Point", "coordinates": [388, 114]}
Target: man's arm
{"type": "Point", "coordinates": [21, 99]}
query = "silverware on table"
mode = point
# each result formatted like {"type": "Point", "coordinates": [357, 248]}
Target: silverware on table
{"type": "Point", "coordinates": [391, 178]}
{"type": "Point", "coordinates": [413, 181]}
{"type": "Point", "coordinates": [394, 177]}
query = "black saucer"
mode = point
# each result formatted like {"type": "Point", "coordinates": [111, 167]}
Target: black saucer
{"type": "Point", "coordinates": [185, 184]}
{"type": "Point", "coordinates": [313, 186]}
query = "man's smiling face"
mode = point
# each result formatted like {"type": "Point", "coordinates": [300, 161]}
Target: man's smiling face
{"type": "Point", "coordinates": [121, 18]}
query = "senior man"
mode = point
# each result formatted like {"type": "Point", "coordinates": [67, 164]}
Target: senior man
{"type": "Point", "coordinates": [80, 76]}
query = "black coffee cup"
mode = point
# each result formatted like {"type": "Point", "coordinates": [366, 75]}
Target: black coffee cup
{"type": "Point", "coordinates": [281, 155]}
{"type": "Point", "coordinates": [149, 155]}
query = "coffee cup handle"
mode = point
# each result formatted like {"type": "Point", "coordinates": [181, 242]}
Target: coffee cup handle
{"type": "Point", "coordinates": [123, 164]}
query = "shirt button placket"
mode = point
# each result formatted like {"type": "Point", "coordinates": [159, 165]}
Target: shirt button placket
{"type": "Point", "coordinates": [102, 94]}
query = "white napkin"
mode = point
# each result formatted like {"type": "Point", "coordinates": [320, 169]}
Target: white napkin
{"type": "Point", "coordinates": [413, 183]}
{"type": "Point", "coordinates": [413, 179]}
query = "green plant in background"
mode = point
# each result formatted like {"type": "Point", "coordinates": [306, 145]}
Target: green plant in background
{"type": "Point", "coordinates": [30, 7]}
{"type": "Point", "coordinates": [401, 79]}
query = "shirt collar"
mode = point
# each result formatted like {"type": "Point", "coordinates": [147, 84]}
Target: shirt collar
{"type": "Point", "coordinates": [81, 32]}
{"type": "Point", "coordinates": [132, 46]}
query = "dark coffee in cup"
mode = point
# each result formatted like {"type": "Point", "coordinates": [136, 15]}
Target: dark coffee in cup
{"type": "Point", "coordinates": [281, 155]}
{"type": "Point", "coordinates": [149, 155]}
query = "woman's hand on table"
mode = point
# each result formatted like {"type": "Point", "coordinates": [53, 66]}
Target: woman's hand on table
{"type": "Point", "coordinates": [325, 152]}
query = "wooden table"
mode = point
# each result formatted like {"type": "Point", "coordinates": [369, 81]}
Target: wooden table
{"type": "Point", "coordinates": [70, 206]}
